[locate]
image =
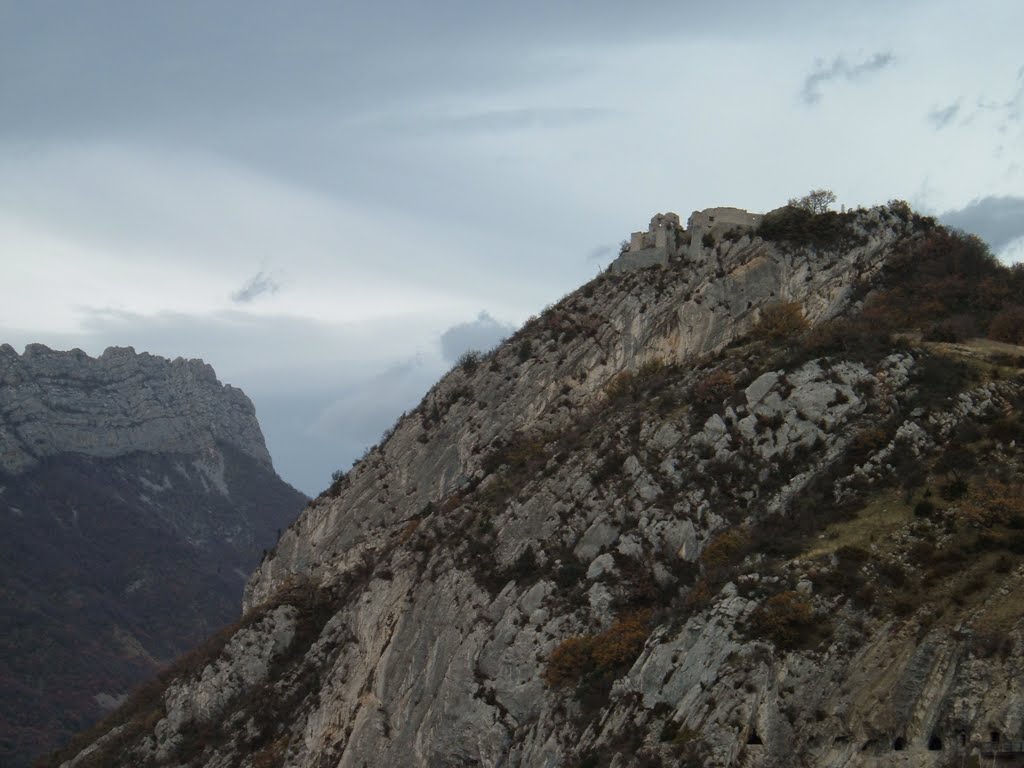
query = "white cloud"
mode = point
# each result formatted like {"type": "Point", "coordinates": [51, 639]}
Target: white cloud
{"type": "Point", "coordinates": [940, 117]}
{"type": "Point", "coordinates": [258, 285]}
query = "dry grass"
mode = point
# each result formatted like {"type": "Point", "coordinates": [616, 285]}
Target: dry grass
{"type": "Point", "coordinates": [983, 355]}
{"type": "Point", "coordinates": [874, 524]}
{"type": "Point", "coordinates": [1003, 611]}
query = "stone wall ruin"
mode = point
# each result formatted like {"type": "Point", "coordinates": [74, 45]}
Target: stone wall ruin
{"type": "Point", "coordinates": [667, 239]}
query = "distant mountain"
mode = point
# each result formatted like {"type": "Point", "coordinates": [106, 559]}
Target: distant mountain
{"type": "Point", "coordinates": [136, 494]}
{"type": "Point", "coordinates": [754, 497]}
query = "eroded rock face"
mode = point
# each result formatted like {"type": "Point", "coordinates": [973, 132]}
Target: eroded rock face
{"type": "Point", "coordinates": [121, 402]}
{"type": "Point", "coordinates": [585, 480]}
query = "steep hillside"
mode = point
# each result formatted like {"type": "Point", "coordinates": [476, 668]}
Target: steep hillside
{"type": "Point", "coordinates": [136, 493]}
{"type": "Point", "coordinates": [751, 498]}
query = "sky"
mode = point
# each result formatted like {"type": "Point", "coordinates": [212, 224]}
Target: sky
{"type": "Point", "coordinates": [329, 202]}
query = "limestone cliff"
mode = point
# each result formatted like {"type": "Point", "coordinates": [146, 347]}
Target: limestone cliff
{"type": "Point", "coordinates": [118, 403]}
{"type": "Point", "coordinates": [135, 494]}
{"type": "Point", "coordinates": [721, 506]}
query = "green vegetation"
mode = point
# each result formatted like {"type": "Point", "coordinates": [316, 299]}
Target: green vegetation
{"type": "Point", "coordinates": [796, 225]}
{"type": "Point", "coordinates": [469, 361]}
{"type": "Point", "coordinates": [817, 201]}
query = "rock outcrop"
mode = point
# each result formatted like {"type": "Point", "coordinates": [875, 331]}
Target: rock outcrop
{"type": "Point", "coordinates": [652, 528]}
{"type": "Point", "coordinates": [135, 495]}
{"type": "Point", "coordinates": [54, 402]}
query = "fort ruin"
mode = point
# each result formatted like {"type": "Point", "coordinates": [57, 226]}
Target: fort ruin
{"type": "Point", "coordinates": [666, 238]}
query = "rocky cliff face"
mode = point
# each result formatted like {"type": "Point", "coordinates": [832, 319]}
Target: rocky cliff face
{"type": "Point", "coordinates": [135, 494]}
{"type": "Point", "coordinates": [118, 403]}
{"type": "Point", "coordinates": [705, 513]}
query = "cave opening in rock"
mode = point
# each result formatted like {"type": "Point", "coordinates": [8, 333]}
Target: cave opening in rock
{"type": "Point", "coordinates": [753, 738]}
{"type": "Point", "coordinates": [899, 744]}
{"type": "Point", "coordinates": [935, 743]}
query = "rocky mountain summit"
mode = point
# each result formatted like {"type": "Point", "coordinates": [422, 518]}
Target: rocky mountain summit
{"type": "Point", "coordinates": [750, 498]}
{"type": "Point", "coordinates": [118, 403]}
{"type": "Point", "coordinates": [136, 493]}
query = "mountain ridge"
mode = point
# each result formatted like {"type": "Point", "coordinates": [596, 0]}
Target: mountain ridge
{"type": "Point", "coordinates": [725, 510]}
{"type": "Point", "coordinates": [59, 402]}
{"type": "Point", "coordinates": [136, 493]}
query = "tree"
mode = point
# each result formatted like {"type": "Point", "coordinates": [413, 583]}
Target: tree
{"type": "Point", "coordinates": [815, 201]}
{"type": "Point", "coordinates": [781, 321]}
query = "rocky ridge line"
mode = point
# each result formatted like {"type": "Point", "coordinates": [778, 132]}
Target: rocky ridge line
{"type": "Point", "coordinates": [639, 534]}
{"type": "Point", "coordinates": [54, 402]}
{"type": "Point", "coordinates": [710, 293]}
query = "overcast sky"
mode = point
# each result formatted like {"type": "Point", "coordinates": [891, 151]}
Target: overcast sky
{"type": "Point", "coordinates": [330, 201]}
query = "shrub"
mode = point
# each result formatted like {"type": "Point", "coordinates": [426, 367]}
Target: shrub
{"type": "Point", "coordinates": [620, 644]}
{"type": "Point", "coordinates": [620, 387]}
{"type": "Point", "coordinates": [994, 502]}
{"type": "Point", "coordinates": [609, 468]}
{"type": "Point", "coordinates": [715, 387]}
{"type": "Point", "coordinates": [1006, 430]}
{"type": "Point", "coordinates": [851, 557]}
{"type": "Point", "coordinates": [854, 338]}
{"type": "Point", "coordinates": [816, 201]}
{"type": "Point", "coordinates": [725, 549]}
{"type": "Point", "coordinates": [1008, 326]}
{"type": "Point", "coordinates": [469, 361]}
{"type": "Point", "coordinates": [786, 619]}
{"type": "Point", "coordinates": [894, 573]}
{"type": "Point", "coordinates": [945, 276]}
{"type": "Point", "coordinates": [569, 661]}
{"type": "Point", "coordinates": [781, 321]}
{"type": "Point", "coordinates": [953, 490]}
{"type": "Point", "coordinates": [924, 508]}
{"type": "Point", "coordinates": [953, 329]}
{"type": "Point", "coordinates": [797, 225]}
{"type": "Point", "coordinates": [525, 568]}
{"type": "Point", "coordinates": [901, 208]}
{"type": "Point", "coordinates": [604, 653]}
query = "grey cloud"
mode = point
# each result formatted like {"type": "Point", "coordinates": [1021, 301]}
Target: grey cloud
{"type": "Point", "coordinates": [357, 412]}
{"type": "Point", "coordinates": [1009, 109]}
{"type": "Point", "coordinates": [103, 65]}
{"type": "Point", "coordinates": [997, 220]}
{"type": "Point", "coordinates": [481, 334]}
{"type": "Point", "coordinates": [259, 285]}
{"type": "Point", "coordinates": [841, 69]}
{"type": "Point", "coordinates": [125, 65]}
{"type": "Point", "coordinates": [1015, 104]}
{"type": "Point", "coordinates": [940, 117]}
{"type": "Point", "coordinates": [365, 406]}
{"type": "Point", "coordinates": [519, 119]}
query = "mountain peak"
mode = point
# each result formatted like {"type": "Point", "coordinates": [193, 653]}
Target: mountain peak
{"type": "Point", "coordinates": [120, 402]}
{"type": "Point", "coordinates": [723, 505]}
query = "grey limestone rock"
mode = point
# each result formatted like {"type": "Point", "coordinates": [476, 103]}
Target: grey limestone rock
{"type": "Point", "coordinates": [120, 402]}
